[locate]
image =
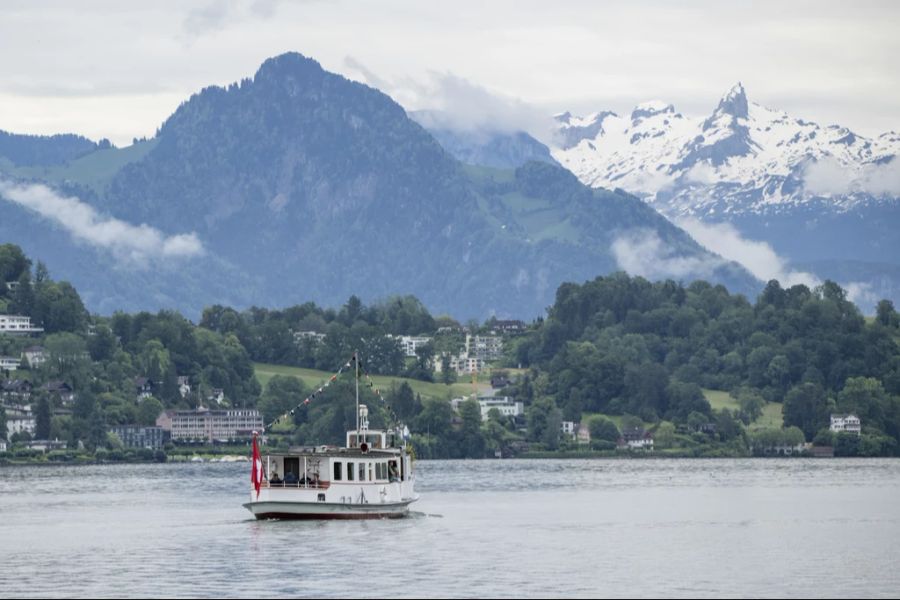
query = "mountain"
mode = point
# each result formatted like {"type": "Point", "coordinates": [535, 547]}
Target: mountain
{"type": "Point", "coordinates": [19, 150]}
{"type": "Point", "coordinates": [299, 184]}
{"type": "Point", "coordinates": [483, 147]}
{"type": "Point", "coordinates": [814, 193]}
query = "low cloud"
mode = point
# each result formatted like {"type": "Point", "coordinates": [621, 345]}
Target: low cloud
{"type": "Point", "coordinates": [136, 244]}
{"type": "Point", "coordinates": [757, 257]}
{"type": "Point", "coordinates": [828, 177]}
{"type": "Point", "coordinates": [452, 102]}
{"type": "Point", "coordinates": [642, 252]}
{"type": "Point", "coordinates": [862, 294]}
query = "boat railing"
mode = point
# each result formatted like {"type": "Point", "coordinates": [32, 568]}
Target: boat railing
{"type": "Point", "coordinates": [312, 485]}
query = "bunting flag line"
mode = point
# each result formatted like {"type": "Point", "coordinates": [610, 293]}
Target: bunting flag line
{"type": "Point", "coordinates": [370, 383]}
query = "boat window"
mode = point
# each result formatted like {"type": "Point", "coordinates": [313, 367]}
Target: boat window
{"type": "Point", "coordinates": [337, 471]}
{"type": "Point", "coordinates": [371, 472]}
{"type": "Point", "coordinates": [291, 465]}
{"type": "Point", "coordinates": [362, 471]}
{"type": "Point", "coordinates": [349, 471]}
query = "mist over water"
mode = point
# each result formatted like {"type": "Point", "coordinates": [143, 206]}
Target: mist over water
{"type": "Point", "coordinates": [562, 528]}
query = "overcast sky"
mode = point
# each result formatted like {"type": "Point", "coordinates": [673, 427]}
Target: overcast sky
{"type": "Point", "coordinates": [116, 69]}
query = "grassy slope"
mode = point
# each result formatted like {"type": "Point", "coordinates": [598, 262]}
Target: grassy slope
{"type": "Point", "coordinates": [313, 378]}
{"type": "Point", "coordinates": [771, 416]}
{"type": "Point", "coordinates": [94, 170]}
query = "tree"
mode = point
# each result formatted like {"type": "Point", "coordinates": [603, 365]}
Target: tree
{"type": "Point", "coordinates": [751, 404]}
{"type": "Point", "coordinates": [664, 436]}
{"type": "Point", "coordinates": [807, 407]}
{"type": "Point", "coordinates": [684, 399]}
{"type": "Point", "coordinates": [149, 410]}
{"type": "Point", "coordinates": [435, 418]}
{"type": "Point", "coordinates": [282, 394]}
{"type": "Point", "coordinates": [865, 397]}
{"type": "Point", "coordinates": [448, 375]}
{"type": "Point", "coordinates": [423, 368]}
{"type": "Point", "coordinates": [472, 442]}
{"type": "Point", "coordinates": [403, 402]}
{"type": "Point", "coordinates": [602, 428]}
{"type": "Point", "coordinates": [42, 419]}
{"type": "Point", "coordinates": [2, 410]}
{"type": "Point", "coordinates": [886, 315]}
{"type": "Point", "coordinates": [544, 422]}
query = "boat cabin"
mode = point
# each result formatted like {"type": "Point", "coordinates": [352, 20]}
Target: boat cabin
{"type": "Point", "coordinates": [371, 456]}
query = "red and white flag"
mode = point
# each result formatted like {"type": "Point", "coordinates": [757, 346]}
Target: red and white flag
{"type": "Point", "coordinates": [256, 468]}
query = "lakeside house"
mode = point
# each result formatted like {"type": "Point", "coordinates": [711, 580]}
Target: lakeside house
{"type": "Point", "coordinates": [509, 326]}
{"type": "Point", "coordinates": [635, 438]}
{"type": "Point", "coordinates": [3, 445]}
{"type": "Point", "coordinates": [61, 390]}
{"type": "Point", "coordinates": [143, 388]}
{"type": "Point", "coordinates": [411, 343]}
{"type": "Point", "coordinates": [20, 421]}
{"type": "Point", "coordinates": [210, 425]}
{"type": "Point", "coordinates": [583, 434]}
{"type": "Point", "coordinates": [34, 356]}
{"type": "Point", "coordinates": [463, 364]}
{"type": "Point", "coordinates": [18, 325]}
{"type": "Point", "coordinates": [312, 336]}
{"type": "Point", "coordinates": [135, 436]}
{"type": "Point", "coordinates": [484, 347]}
{"type": "Point", "coordinates": [15, 392]}
{"type": "Point", "coordinates": [569, 428]}
{"type": "Point", "coordinates": [848, 423]}
{"type": "Point", "coordinates": [47, 445]}
{"type": "Point", "coordinates": [504, 405]}
{"type": "Point", "coordinates": [184, 386]}
{"type": "Point", "coordinates": [9, 363]}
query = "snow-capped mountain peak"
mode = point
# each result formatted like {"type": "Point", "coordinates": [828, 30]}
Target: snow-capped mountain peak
{"type": "Point", "coordinates": [742, 157]}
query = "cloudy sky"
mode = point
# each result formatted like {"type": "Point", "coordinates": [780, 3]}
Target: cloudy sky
{"type": "Point", "coordinates": [113, 69]}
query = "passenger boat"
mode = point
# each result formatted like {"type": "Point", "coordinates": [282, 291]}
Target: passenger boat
{"type": "Point", "coordinates": [370, 478]}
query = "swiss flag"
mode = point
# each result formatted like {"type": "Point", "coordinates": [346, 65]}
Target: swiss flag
{"type": "Point", "coordinates": [256, 467]}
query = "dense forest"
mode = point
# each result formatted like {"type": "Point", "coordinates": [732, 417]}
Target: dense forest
{"type": "Point", "coordinates": [617, 353]}
{"type": "Point", "coordinates": [621, 345]}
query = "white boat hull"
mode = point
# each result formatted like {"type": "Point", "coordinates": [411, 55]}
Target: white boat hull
{"type": "Point", "coordinates": [274, 509]}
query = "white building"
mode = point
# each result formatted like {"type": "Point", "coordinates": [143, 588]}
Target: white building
{"type": "Point", "coordinates": [19, 422]}
{"type": "Point", "coordinates": [315, 337]}
{"type": "Point", "coordinates": [486, 347]}
{"type": "Point", "coordinates": [462, 364]}
{"type": "Point", "coordinates": [17, 325]}
{"type": "Point", "coordinates": [184, 386]}
{"type": "Point", "coordinates": [507, 407]}
{"type": "Point", "coordinates": [9, 363]}
{"type": "Point", "coordinates": [569, 428]}
{"type": "Point", "coordinates": [845, 424]}
{"type": "Point", "coordinates": [35, 355]}
{"type": "Point", "coordinates": [2, 445]}
{"type": "Point", "coordinates": [211, 425]}
{"type": "Point", "coordinates": [636, 439]}
{"type": "Point", "coordinates": [583, 434]}
{"type": "Point", "coordinates": [411, 343]}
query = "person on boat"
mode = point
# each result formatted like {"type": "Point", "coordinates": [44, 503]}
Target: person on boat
{"type": "Point", "coordinates": [393, 475]}
{"type": "Point", "coordinates": [275, 478]}
{"type": "Point", "coordinates": [290, 478]}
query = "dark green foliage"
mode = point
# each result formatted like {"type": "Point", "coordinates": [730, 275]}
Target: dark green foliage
{"type": "Point", "coordinates": [623, 344]}
{"type": "Point", "coordinates": [40, 150]}
{"type": "Point", "coordinates": [282, 394]}
{"type": "Point", "coordinates": [807, 407]}
{"type": "Point", "coordinates": [603, 429]}
{"type": "Point", "coordinates": [42, 419]}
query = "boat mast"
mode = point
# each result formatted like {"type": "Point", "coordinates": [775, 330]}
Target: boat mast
{"type": "Point", "coordinates": [356, 360]}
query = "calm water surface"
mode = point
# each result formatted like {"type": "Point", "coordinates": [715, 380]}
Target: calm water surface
{"type": "Point", "coordinates": [561, 528]}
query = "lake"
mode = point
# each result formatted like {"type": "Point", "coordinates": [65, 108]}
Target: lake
{"type": "Point", "coordinates": [561, 528]}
